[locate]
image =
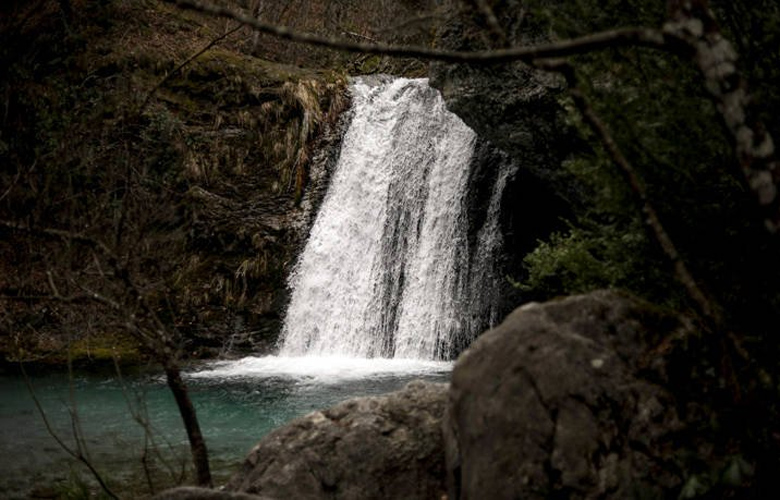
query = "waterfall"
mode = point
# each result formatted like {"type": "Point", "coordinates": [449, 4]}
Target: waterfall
{"type": "Point", "coordinates": [387, 270]}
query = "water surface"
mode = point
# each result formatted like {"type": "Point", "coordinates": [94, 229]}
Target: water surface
{"type": "Point", "coordinates": [237, 403]}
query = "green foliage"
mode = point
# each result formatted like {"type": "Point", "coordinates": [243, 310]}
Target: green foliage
{"type": "Point", "coordinates": [580, 261]}
{"type": "Point", "coordinates": [657, 110]}
{"type": "Point", "coordinates": [606, 246]}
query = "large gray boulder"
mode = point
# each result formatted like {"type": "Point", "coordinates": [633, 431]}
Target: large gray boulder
{"type": "Point", "coordinates": [383, 447]}
{"type": "Point", "coordinates": [558, 402]}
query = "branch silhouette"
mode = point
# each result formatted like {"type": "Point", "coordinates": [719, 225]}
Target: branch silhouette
{"type": "Point", "coordinates": [607, 39]}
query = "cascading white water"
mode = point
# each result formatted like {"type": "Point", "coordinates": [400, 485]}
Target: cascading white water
{"type": "Point", "coordinates": [386, 270]}
{"type": "Point", "coordinates": [483, 276]}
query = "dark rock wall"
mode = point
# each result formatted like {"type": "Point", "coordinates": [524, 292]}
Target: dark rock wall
{"type": "Point", "coordinates": [220, 171]}
{"type": "Point", "coordinates": [515, 109]}
{"type": "Point", "coordinates": [199, 173]}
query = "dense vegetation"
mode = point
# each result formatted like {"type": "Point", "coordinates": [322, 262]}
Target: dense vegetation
{"type": "Point", "coordinates": [182, 168]}
{"type": "Point", "coordinates": [658, 110]}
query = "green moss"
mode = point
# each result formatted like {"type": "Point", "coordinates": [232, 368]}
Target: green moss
{"type": "Point", "coordinates": [102, 349]}
{"type": "Point", "coordinates": [370, 65]}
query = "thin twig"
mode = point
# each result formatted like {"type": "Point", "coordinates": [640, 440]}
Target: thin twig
{"type": "Point", "coordinates": [358, 35]}
{"type": "Point", "coordinates": [52, 285]}
{"type": "Point", "coordinates": [70, 299]}
{"type": "Point", "coordinates": [692, 33]}
{"type": "Point", "coordinates": [73, 412]}
{"type": "Point", "coordinates": [67, 449]}
{"type": "Point", "coordinates": [492, 22]}
{"type": "Point", "coordinates": [155, 336]}
{"type": "Point", "coordinates": [141, 416]}
{"type": "Point", "coordinates": [436, 14]}
{"type": "Point", "coordinates": [16, 180]}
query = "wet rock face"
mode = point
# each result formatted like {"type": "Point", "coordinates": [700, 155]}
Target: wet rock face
{"type": "Point", "coordinates": [557, 402]}
{"type": "Point", "coordinates": [374, 447]}
{"type": "Point", "coordinates": [517, 110]}
{"type": "Point", "coordinates": [509, 104]}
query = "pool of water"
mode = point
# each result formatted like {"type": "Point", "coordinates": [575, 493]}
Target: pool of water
{"type": "Point", "coordinates": [237, 403]}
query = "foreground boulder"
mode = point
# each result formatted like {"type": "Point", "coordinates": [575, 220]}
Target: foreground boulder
{"type": "Point", "coordinates": [374, 447]}
{"type": "Point", "coordinates": [556, 402]}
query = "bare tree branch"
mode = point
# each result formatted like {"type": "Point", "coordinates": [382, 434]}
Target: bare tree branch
{"type": "Point", "coordinates": [156, 337]}
{"type": "Point", "coordinates": [140, 414]}
{"type": "Point", "coordinates": [76, 454]}
{"type": "Point", "coordinates": [691, 32]}
{"type": "Point", "coordinates": [607, 39]}
{"type": "Point", "coordinates": [492, 21]}
{"type": "Point", "coordinates": [69, 299]}
{"type": "Point", "coordinates": [16, 178]}
{"type": "Point", "coordinates": [358, 35]}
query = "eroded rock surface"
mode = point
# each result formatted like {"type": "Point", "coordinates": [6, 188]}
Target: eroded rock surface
{"type": "Point", "coordinates": [194, 493]}
{"type": "Point", "coordinates": [557, 402]}
{"type": "Point", "coordinates": [374, 447]}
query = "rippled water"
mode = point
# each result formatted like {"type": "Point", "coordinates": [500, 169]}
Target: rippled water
{"type": "Point", "coordinates": [237, 402]}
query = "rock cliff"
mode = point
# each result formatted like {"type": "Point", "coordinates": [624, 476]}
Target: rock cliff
{"type": "Point", "coordinates": [517, 110]}
{"type": "Point", "coordinates": [156, 134]}
{"type": "Point", "coordinates": [563, 400]}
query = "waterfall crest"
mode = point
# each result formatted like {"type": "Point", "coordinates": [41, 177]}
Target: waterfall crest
{"type": "Point", "coordinates": [386, 271]}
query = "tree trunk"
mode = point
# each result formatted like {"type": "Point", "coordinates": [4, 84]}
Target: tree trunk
{"type": "Point", "coordinates": [200, 455]}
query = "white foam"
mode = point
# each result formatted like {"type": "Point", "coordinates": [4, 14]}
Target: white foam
{"type": "Point", "coordinates": [321, 369]}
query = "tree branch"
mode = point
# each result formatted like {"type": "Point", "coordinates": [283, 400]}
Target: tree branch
{"type": "Point", "coordinates": [492, 22]}
{"type": "Point", "coordinates": [704, 304]}
{"type": "Point", "coordinates": [692, 22]}
{"type": "Point", "coordinates": [607, 39]}
{"type": "Point", "coordinates": [691, 32]}
{"type": "Point", "coordinates": [76, 454]}
{"type": "Point", "coordinates": [70, 299]}
{"type": "Point", "coordinates": [157, 339]}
